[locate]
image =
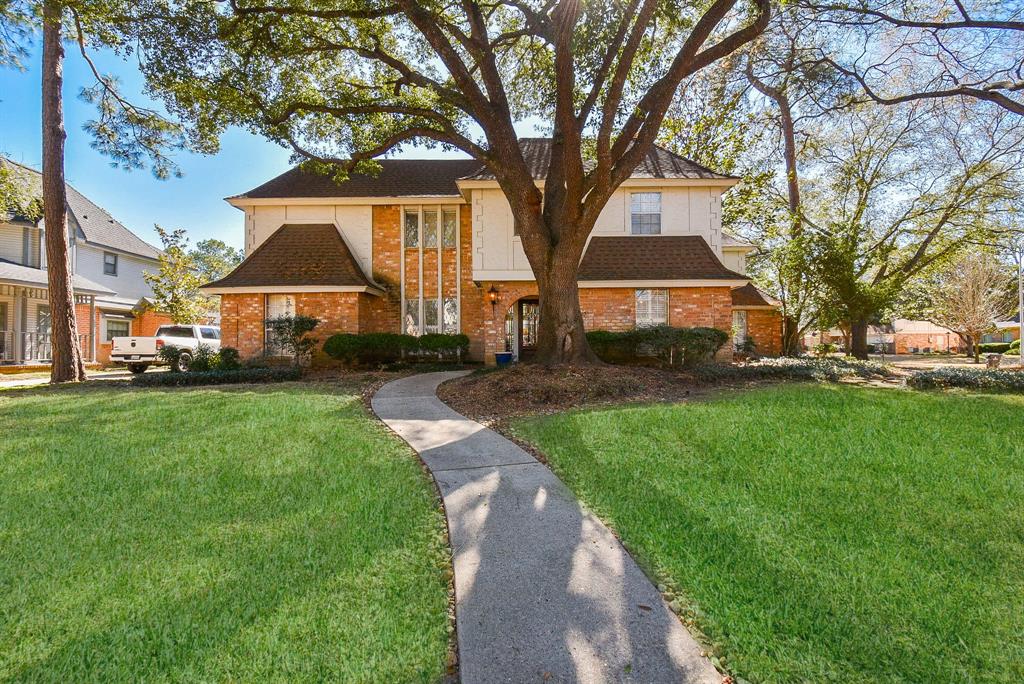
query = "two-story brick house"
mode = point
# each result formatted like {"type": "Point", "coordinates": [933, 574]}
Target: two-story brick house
{"type": "Point", "coordinates": [431, 246]}
{"type": "Point", "coordinates": [107, 265]}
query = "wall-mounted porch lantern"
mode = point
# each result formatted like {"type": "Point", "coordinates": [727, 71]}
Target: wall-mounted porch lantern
{"type": "Point", "coordinates": [492, 296]}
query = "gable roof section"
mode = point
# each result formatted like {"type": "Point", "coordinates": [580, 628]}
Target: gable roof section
{"type": "Point", "coordinates": [652, 257]}
{"type": "Point", "coordinates": [658, 163]}
{"type": "Point", "coordinates": [397, 178]}
{"type": "Point", "coordinates": [439, 177]}
{"type": "Point", "coordinates": [100, 228]}
{"type": "Point", "coordinates": [748, 296]}
{"type": "Point", "coordinates": [298, 255]}
{"type": "Point", "coordinates": [96, 225]}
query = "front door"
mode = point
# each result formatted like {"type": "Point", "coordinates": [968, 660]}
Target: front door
{"type": "Point", "coordinates": [529, 317]}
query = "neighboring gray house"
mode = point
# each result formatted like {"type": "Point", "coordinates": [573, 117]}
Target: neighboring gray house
{"type": "Point", "coordinates": [108, 262]}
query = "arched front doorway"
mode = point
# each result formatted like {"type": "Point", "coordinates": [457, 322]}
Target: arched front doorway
{"type": "Point", "coordinates": [521, 323]}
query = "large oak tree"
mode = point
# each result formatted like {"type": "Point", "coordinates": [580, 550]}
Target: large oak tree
{"type": "Point", "coordinates": [344, 82]}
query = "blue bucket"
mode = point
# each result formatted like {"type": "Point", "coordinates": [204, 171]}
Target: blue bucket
{"type": "Point", "coordinates": [503, 358]}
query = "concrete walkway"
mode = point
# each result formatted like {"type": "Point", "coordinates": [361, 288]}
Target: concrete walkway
{"type": "Point", "coordinates": [544, 592]}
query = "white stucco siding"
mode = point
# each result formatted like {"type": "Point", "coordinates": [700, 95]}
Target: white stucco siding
{"type": "Point", "coordinates": [355, 222]}
{"type": "Point", "coordinates": [128, 283]}
{"type": "Point", "coordinates": [498, 254]}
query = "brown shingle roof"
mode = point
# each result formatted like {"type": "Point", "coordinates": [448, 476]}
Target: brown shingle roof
{"type": "Point", "coordinates": [298, 254]}
{"type": "Point", "coordinates": [659, 163]}
{"type": "Point", "coordinates": [748, 295]}
{"type": "Point", "coordinates": [437, 177]}
{"type": "Point", "coordinates": [652, 257]}
{"type": "Point", "coordinates": [397, 178]}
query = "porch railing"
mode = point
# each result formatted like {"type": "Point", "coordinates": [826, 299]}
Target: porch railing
{"type": "Point", "coordinates": [6, 346]}
{"type": "Point", "coordinates": [38, 347]}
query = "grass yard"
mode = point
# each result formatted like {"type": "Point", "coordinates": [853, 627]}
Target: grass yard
{"type": "Point", "coordinates": [822, 533]}
{"type": "Point", "coordinates": [221, 534]}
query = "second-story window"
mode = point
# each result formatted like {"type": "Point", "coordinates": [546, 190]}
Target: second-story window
{"type": "Point", "coordinates": [412, 228]}
{"type": "Point", "coordinates": [645, 213]}
{"type": "Point", "coordinates": [109, 264]}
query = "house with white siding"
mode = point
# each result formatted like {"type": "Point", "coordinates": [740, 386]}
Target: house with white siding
{"type": "Point", "coordinates": [107, 265]}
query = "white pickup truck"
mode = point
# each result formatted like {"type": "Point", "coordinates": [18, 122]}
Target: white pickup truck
{"type": "Point", "coordinates": [139, 353]}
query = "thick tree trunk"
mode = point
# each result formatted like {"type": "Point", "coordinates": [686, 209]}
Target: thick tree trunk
{"type": "Point", "coordinates": [561, 338]}
{"type": "Point", "coordinates": [859, 339]}
{"type": "Point", "coordinates": [67, 363]}
{"type": "Point", "coordinates": [790, 337]}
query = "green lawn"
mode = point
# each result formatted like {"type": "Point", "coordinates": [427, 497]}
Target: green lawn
{"type": "Point", "coordinates": [215, 535]}
{"type": "Point", "coordinates": [823, 533]}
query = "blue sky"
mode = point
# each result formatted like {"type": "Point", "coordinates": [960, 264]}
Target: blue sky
{"type": "Point", "coordinates": [135, 198]}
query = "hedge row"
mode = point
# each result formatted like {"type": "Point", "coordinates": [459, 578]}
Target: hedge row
{"type": "Point", "coordinates": [972, 378]}
{"type": "Point", "coordinates": [994, 347]}
{"type": "Point", "coordinates": [828, 369]}
{"type": "Point", "coordinates": [664, 344]}
{"type": "Point", "coordinates": [216, 377]}
{"type": "Point", "coordinates": [380, 348]}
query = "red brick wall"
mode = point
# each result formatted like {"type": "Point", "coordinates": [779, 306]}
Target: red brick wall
{"type": "Point", "coordinates": [384, 313]}
{"type": "Point", "coordinates": [475, 309]}
{"type": "Point", "coordinates": [242, 323]}
{"type": "Point", "coordinates": [765, 327]}
{"type": "Point", "coordinates": [144, 324]}
{"type": "Point", "coordinates": [606, 309]}
{"type": "Point", "coordinates": [934, 341]}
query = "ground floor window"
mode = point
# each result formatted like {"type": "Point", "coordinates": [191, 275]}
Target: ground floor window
{"type": "Point", "coordinates": [450, 318]}
{"type": "Point", "coordinates": [277, 306]}
{"type": "Point", "coordinates": [651, 307]}
{"type": "Point", "coordinates": [411, 317]}
{"type": "Point", "coordinates": [739, 329]}
{"type": "Point", "coordinates": [430, 317]}
{"type": "Point", "coordinates": [116, 327]}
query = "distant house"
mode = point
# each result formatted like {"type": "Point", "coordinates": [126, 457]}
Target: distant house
{"type": "Point", "coordinates": [431, 246]}
{"type": "Point", "coordinates": [1006, 331]}
{"type": "Point", "coordinates": [107, 263]}
{"type": "Point", "coordinates": [902, 336]}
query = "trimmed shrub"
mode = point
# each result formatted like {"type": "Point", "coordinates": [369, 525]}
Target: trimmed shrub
{"type": "Point", "coordinates": [824, 349]}
{"type": "Point", "coordinates": [793, 369]}
{"type": "Point", "coordinates": [171, 356]}
{"type": "Point", "coordinates": [661, 344]}
{"type": "Point", "coordinates": [204, 359]}
{"type": "Point", "coordinates": [994, 347]}
{"type": "Point", "coordinates": [229, 359]}
{"type": "Point", "coordinates": [217, 377]}
{"type": "Point", "coordinates": [971, 378]}
{"type": "Point", "coordinates": [384, 348]}
{"type": "Point", "coordinates": [1014, 349]}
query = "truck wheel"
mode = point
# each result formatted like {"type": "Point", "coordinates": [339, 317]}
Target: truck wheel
{"type": "Point", "coordinates": [184, 361]}
{"type": "Point", "coordinates": [137, 368]}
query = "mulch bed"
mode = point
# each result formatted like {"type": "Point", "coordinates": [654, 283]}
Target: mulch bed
{"type": "Point", "coordinates": [493, 395]}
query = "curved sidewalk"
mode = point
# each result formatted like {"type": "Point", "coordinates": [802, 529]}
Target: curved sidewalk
{"type": "Point", "coordinates": [543, 591]}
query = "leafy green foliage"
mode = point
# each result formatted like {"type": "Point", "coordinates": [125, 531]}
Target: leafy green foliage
{"type": "Point", "coordinates": [176, 284]}
{"type": "Point", "coordinates": [171, 356]}
{"type": "Point", "coordinates": [20, 193]}
{"type": "Point", "coordinates": [204, 359]}
{"type": "Point", "coordinates": [228, 359]}
{"type": "Point", "coordinates": [385, 348]}
{"type": "Point", "coordinates": [664, 344]}
{"type": "Point", "coordinates": [291, 335]}
{"type": "Point", "coordinates": [214, 259]}
{"type": "Point", "coordinates": [971, 378]}
{"type": "Point", "coordinates": [821, 533]}
{"type": "Point", "coordinates": [820, 370]}
{"type": "Point", "coordinates": [994, 347]}
{"type": "Point", "coordinates": [250, 534]}
{"type": "Point", "coordinates": [211, 376]}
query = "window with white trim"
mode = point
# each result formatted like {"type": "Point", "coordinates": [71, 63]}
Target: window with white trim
{"type": "Point", "coordinates": [645, 213]}
{"type": "Point", "coordinates": [739, 328]}
{"type": "Point", "coordinates": [450, 316]}
{"type": "Point", "coordinates": [430, 227]}
{"type": "Point", "coordinates": [109, 264]}
{"type": "Point", "coordinates": [427, 232]}
{"type": "Point", "coordinates": [411, 322]}
{"type": "Point", "coordinates": [412, 227]}
{"type": "Point", "coordinates": [277, 306]}
{"type": "Point", "coordinates": [451, 225]}
{"type": "Point", "coordinates": [651, 308]}
{"type": "Point", "coordinates": [430, 317]}
{"type": "Point", "coordinates": [116, 327]}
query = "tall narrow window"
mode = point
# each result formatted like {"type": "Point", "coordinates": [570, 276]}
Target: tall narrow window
{"type": "Point", "coordinates": [412, 228]}
{"type": "Point", "coordinates": [645, 213]}
{"type": "Point", "coordinates": [739, 328]}
{"type": "Point", "coordinates": [451, 223]}
{"type": "Point", "coordinates": [450, 319]}
{"type": "Point", "coordinates": [411, 318]}
{"type": "Point", "coordinates": [277, 306]}
{"type": "Point", "coordinates": [430, 316]}
{"type": "Point", "coordinates": [651, 307]}
{"type": "Point", "coordinates": [109, 264]}
{"type": "Point", "coordinates": [430, 218]}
